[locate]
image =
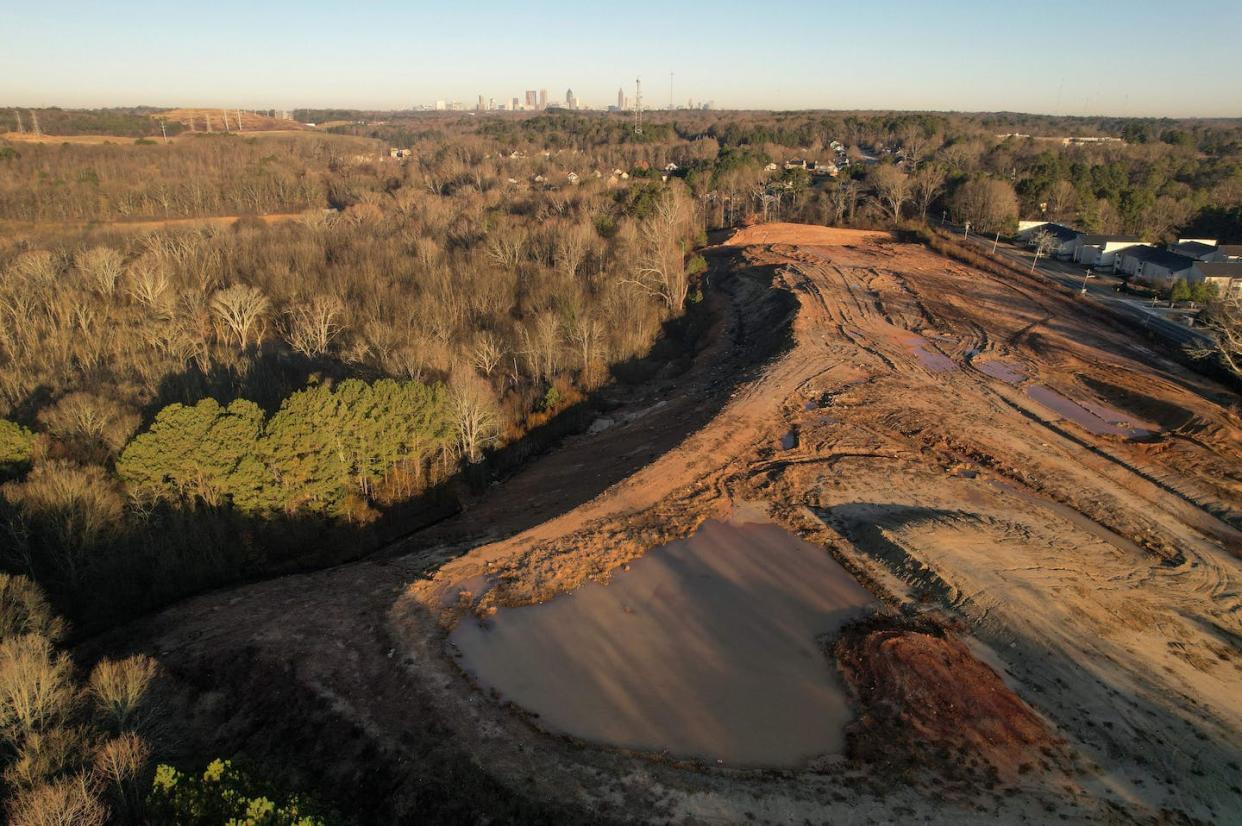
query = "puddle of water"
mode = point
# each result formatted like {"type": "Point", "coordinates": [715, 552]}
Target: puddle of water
{"type": "Point", "coordinates": [1002, 370]}
{"type": "Point", "coordinates": [1079, 414]}
{"type": "Point", "coordinates": [934, 361]}
{"type": "Point", "coordinates": [706, 648]}
{"type": "Point", "coordinates": [789, 441]}
{"type": "Point", "coordinates": [1137, 427]}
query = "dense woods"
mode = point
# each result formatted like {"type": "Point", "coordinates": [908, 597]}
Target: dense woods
{"type": "Point", "coordinates": [186, 404]}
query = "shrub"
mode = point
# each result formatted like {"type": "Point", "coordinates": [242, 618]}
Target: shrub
{"type": "Point", "coordinates": [224, 794]}
{"type": "Point", "coordinates": [16, 445]}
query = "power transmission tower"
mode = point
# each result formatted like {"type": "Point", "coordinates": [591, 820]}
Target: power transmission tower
{"type": "Point", "coordinates": [34, 121]}
{"type": "Point", "coordinates": [164, 128]}
{"type": "Point", "coordinates": [239, 123]}
{"type": "Point", "coordinates": [21, 128]}
{"type": "Point", "coordinates": [638, 106]}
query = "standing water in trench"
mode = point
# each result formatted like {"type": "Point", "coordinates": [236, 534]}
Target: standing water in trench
{"type": "Point", "coordinates": [706, 647]}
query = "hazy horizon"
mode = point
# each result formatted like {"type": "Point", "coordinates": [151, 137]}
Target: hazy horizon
{"type": "Point", "coordinates": [786, 55]}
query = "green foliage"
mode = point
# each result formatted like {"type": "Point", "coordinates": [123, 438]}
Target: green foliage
{"type": "Point", "coordinates": [204, 452]}
{"type": "Point", "coordinates": [225, 794]}
{"type": "Point", "coordinates": [323, 444]}
{"type": "Point", "coordinates": [697, 265]}
{"type": "Point", "coordinates": [16, 445]}
{"type": "Point", "coordinates": [552, 398]}
{"type": "Point", "coordinates": [640, 200]}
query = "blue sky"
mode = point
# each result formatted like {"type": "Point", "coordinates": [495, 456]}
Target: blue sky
{"type": "Point", "coordinates": [1176, 57]}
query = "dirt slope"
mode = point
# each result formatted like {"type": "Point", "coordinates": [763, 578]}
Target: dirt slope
{"type": "Point", "coordinates": [1089, 583]}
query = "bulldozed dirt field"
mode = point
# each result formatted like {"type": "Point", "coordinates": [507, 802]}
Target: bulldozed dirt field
{"type": "Point", "coordinates": [1048, 512]}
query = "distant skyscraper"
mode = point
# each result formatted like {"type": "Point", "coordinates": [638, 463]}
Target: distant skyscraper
{"type": "Point", "coordinates": [441, 106]}
{"type": "Point", "coordinates": [480, 106]}
{"type": "Point", "coordinates": [532, 99]}
{"type": "Point", "coordinates": [620, 98]}
{"type": "Point", "coordinates": [571, 102]}
{"type": "Point", "coordinates": [543, 98]}
{"type": "Point", "coordinates": [515, 105]}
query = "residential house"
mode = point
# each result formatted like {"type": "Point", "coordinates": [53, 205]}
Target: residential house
{"type": "Point", "coordinates": [1201, 249]}
{"type": "Point", "coordinates": [1153, 266]}
{"type": "Point", "coordinates": [1100, 251]}
{"type": "Point", "coordinates": [1226, 276]}
{"type": "Point", "coordinates": [1228, 252]}
{"type": "Point", "coordinates": [1065, 238]}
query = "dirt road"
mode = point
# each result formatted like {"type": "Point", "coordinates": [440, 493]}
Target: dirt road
{"type": "Point", "coordinates": [1002, 513]}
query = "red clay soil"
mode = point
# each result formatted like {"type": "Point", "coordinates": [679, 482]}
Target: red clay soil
{"type": "Point", "coordinates": [923, 694]}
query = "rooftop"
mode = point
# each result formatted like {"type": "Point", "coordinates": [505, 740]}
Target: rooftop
{"type": "Point", "coordinates": [1161, 258]}
{"type": "Point", "coordinates": [1220, 268]}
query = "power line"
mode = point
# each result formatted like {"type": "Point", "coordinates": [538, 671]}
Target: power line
{"type": "Point", "coordinates": [637, 106]}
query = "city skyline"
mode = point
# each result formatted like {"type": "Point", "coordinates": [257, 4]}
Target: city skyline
{"type": "Point", "coordinates": [964, 56]}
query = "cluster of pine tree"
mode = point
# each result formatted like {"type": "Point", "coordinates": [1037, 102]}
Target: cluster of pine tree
{"type": "Point", "coordinates": [327, 450]}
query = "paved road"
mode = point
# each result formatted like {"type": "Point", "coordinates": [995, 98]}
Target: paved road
{"type": "Point", "coordinates": [1102, 289]}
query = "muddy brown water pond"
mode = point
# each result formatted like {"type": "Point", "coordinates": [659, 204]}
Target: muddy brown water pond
{"type": "Point", "coordinates": [1091, 416]}
{"type": "Point", "coordinates": [1002, 370]}
{"type": "Point", "coordinates": [706, 648]}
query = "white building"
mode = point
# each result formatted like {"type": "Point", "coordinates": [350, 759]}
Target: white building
{"type": "Point", "coordinates": [1201, 249]}
{"type": "Point", "coordinates": [1153, 266]}
{"type": "Point", "coordinates": [1066, 239]}
{"type": "Point", "coordinates": [1101, 250]}
{"type": "Point", "coordinates": [1226, 276]}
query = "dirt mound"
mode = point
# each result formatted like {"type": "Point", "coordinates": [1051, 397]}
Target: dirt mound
{"type": "Point", "coordinates": [925, 698]}
{"type": "Point", "coordinates": [802, 234]}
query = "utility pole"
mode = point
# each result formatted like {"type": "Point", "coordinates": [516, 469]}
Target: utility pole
{"type": "Point", "coordinates": [995, 241]}
{"type": "Point", "coordinates": [638, 106]}
{"type": "Point", "coordinates": [164, 129]}
{"type": "Point", "coordinates": [966, 231]}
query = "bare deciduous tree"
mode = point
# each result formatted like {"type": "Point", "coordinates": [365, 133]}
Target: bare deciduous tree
{"type": "Point", "coordinates": [486, 353]}
{"type": "Point", "coordinates": [1224, 320]}
{"type": "Point", "coordinates": [989, 204]}
{"type": "Point", "coordinates": [892, 187]}
{"type": "Point", "coordinates": [241, 310]}
{"type": "Point", "coordinates": [310, 327]}
{"type": "Point", "coordinates": [101, 268]}
{"type": "Point", "coordinates": [1061, 199]}
{"type": "Point", "coordinates": [475, 415]}
{"type": "Point", "coordinates": [660, 268]}
{"type": "Point", "coordinates": [926, 185]}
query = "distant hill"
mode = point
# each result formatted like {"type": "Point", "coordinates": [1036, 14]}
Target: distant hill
{"type": "Point", "coordinates": [225, 120]}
